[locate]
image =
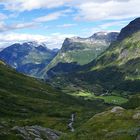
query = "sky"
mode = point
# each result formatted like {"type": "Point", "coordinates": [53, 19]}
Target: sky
{"type": "Point", "coordinates": [51, 21]}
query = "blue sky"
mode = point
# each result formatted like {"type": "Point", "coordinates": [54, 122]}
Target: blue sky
{"type": "Point", "coordinates": [51, 21]}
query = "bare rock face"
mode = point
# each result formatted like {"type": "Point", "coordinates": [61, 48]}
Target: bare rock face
{"type": "Point", "coordinates": [103, 38]}
{"type": "Point", "coordinates": [117, 109]}
{"type": "Point", "coordinates": [106, 36]}
{"type": "Point", "coordinates": [36, 133]}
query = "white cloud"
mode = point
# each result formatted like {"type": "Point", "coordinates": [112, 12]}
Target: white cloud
{"type": "Point", "coordinates": [3, 16]}
{"type": "Point", "coordinates": [6, 27]}
{"type": "Point", "coordinates": [66, 25]}
{"type": "Point", "coordinates": [2, 26]}
{"type": "Point", "coordinates": [23, 25]}
{"type": "Point", "coordinates": [114, 24]}
{"type": "Point", "coordinates": [86, 10]}
{"type": "Point", "coordinates": [37, 21]}
{"type": "Point", "coordinates": [49, 17]}
{"type": "Point", "coordinates": [108, 10]}
{"type": "Point", "coordinates": [28, 5]}
{"type": "Point", "coordinates": [52, 41]}
{"type": "Point", "coordinates": [89, 10]}
{"type": "Point", "coordinates": [52, 16]}
{"type": "Point", "coordinates": [106, 27]}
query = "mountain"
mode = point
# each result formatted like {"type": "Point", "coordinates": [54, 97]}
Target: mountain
{"type": "Point", "coordinates": [27, 103]}
{"type": "Point", "coordinates": [99, 100]}
{"type": "Point", "coordinates": [118, 67]}
{"type": "Point", "coordinates": [131, 28]}
{"type": "Point", "coordinates": [115, 70]}
{"type": "Point", "coordinates": [82, 50]}
{"type": "Point", "coordinates": [28, 58]}
{"type": "Point", "coordinates": [113, 76]}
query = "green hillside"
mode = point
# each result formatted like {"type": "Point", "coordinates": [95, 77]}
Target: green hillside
{"type": "Point", "coordinates": [115, 124]}
{"type": "Point", "coordinates": [27, 101]}
{"type": "Point", "coordinates": [81, 50]}
{"type": "Point", "coordinates": [118, 68]}
{"type": "Point", "coordinates": [83, 55]}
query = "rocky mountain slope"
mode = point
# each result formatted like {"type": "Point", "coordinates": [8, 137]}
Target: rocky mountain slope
{"type": "Point", "coordinates": [28, 58]}
{"type": "Point", "coordinates": [131, 28]}
{"type": "Point", "coordinates": [82, 50]}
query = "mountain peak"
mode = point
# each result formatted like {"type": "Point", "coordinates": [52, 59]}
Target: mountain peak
{"type": "Point", "coordinates": [100, 36]}
{"type": "Point", "coordinates": [131, 28]}
{"type": "Point", "coordinates": [28, 57]}
{"type": "Point", "coordinates": [107, 36]}
{"type": "Point", "coordinates": [34, 44]}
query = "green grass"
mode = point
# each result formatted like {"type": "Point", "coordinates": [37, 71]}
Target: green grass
{"type": "Point", "coordinates": [114, 99]}
{"type": "Point", "coordinates": [107, 99]}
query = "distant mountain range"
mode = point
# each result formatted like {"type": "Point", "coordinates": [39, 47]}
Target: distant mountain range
{"type": "Point", "coordinates": [36, 59]}
{"type": "Point", "coordinates": [28, 58]}
{"type": "Point", "coordinates": [82, 50]}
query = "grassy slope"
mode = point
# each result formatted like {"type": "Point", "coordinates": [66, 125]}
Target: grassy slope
{"type": "Point", "coordinates": [83, 53]}
{"type": "Point", "coordinates": [116, 69]}
{"type": "Point", "coordinates": [110, 99]}
{"type": "Point", "coordinates": [120, 125]}
{"type": "Point", "coordinates": [120, 53]}
{"type": "Point", "coordinates": [26, 101]}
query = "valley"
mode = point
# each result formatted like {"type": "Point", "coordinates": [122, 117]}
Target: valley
{"type": "Point", "coordinates": [87, 90]}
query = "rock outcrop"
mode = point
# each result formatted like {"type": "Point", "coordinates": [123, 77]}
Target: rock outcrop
{"type": "Point", "coordinates": [36, 133]}
{"type": "Point", "coordinates": [117, 109]}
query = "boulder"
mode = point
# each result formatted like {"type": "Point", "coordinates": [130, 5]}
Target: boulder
{"type": "Point", "coordinates": [117, 109]}
{"type": "Point", "coordinates": [36, 133]}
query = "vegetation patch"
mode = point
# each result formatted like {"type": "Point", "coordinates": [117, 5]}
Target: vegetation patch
{"type": "Point", "coordinates": [107, 98]}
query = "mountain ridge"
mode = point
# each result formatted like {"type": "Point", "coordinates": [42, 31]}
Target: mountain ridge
{"type": "Point", "coordinates": [27, 57]}
{"type": "Point", "coordinates": [82, 50]}
{"type": "Point", "coordinates": [113, 63]}
{"type": "Point", "coordinates": [115, 69]}
{"type": "Point", "coordinates": [130, 29]}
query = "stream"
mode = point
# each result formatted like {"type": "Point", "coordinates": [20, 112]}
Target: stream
{"type": "Point", "coordinates": [71, 122]}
